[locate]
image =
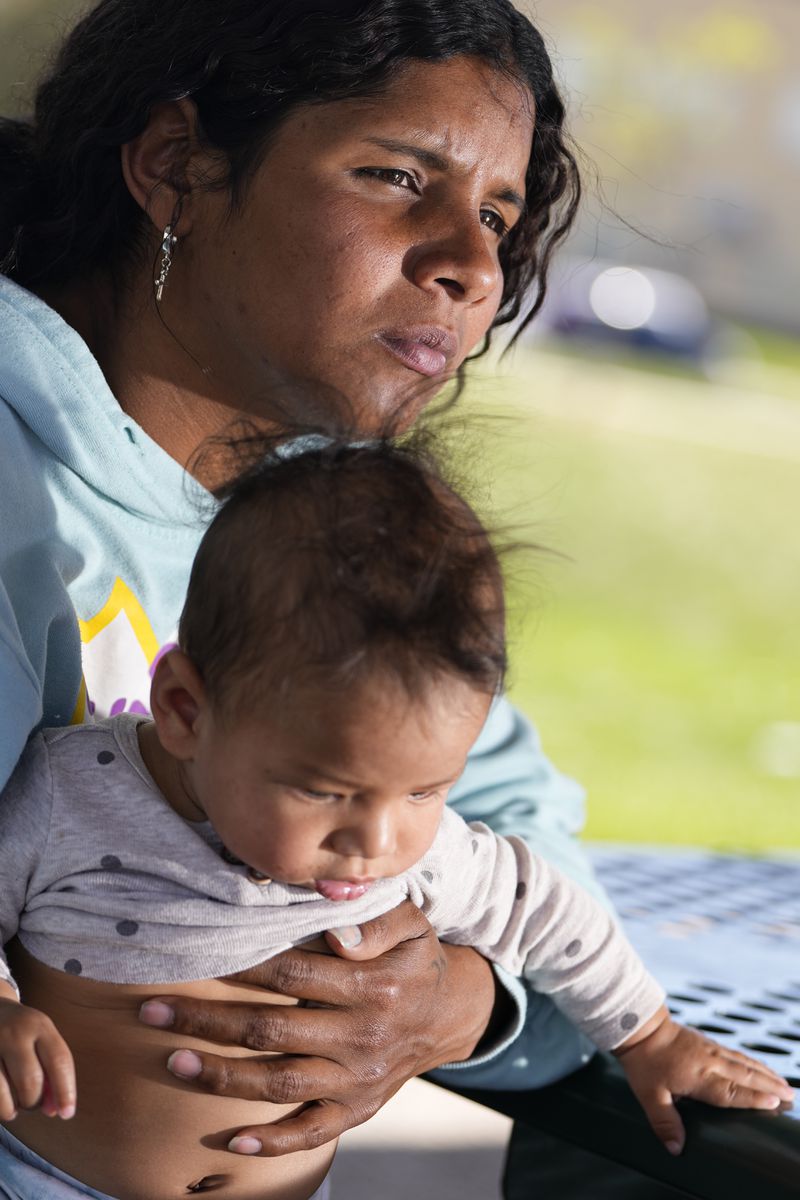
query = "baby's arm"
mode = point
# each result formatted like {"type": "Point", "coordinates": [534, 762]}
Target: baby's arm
{"type": "Point", "coordinates": [518, 910]}
{"type": "Point", "coordinates": [665, 1061]}
{"type": "Point", "coordinates": [36, 1066]}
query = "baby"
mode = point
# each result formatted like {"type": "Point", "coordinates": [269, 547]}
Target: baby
{"type": "Point", "coordinates": [340, 647]}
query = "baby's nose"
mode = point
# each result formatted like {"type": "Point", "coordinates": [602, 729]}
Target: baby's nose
{"type": "Point", "coordinates": [370, 838]}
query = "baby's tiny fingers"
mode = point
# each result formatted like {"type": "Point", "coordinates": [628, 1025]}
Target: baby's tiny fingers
{"type": "Point", "coordinates": [25, 1074]}
{"type": "Point", "coordinates": [60, 1086]}
{"type": "Point", "coordinates": [47, 1105]}
{"type": "Point", "coordinates": [747, 1060]}
{"type": "Point", "coordinates": [8, 1107]}
{"type": "Point", "coordinates": [664, 1118]}
{"type": "Point", "coordinates": [750, 1073]}
{"type": "Point", "coordinates": [725, 1092]}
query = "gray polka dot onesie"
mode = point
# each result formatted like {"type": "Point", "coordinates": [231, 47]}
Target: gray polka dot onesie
{"type": "Point", "coordinates": [100, 877]}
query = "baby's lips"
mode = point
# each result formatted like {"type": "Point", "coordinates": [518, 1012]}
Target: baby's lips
{"type": "Point", "coordinates": [340, 889]}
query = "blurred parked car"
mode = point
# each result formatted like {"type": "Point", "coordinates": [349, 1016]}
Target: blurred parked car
{"type": "Point", "coordinates": [638, 308]}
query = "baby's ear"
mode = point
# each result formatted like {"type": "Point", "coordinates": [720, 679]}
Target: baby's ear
{"type": "Point", "coordinates": [178, 699]}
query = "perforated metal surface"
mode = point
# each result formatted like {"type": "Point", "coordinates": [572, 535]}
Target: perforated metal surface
{"type": "Point", "coordinates": [723, 936]}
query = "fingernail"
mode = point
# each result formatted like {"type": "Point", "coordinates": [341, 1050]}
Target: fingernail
{"type": "Point", "coordinates": [349, 936]}
{"type": "Point", "coordinates": [184, 1063]}
{"type": "Point", "coordinates": [245, 1145]}
{"type": "Point", "coordinates": [67, 1112]}
{"type": "Point", "coordinates": [674, 1147]}
{"type": "Point", "coordinates": [155, 1012]}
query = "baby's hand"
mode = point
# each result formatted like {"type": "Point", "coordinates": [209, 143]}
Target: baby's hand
{"type": "Point", "coordinates": [665, 1061]}
{"type": "Point", "coordinates": [36, 1067]}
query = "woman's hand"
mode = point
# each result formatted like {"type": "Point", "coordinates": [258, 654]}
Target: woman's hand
{"type": "Point", "coordinates": [36, 1067]}
{"type": "Point", "coordinates": [404, 1005]}
{"type": "Point", "coordinates": [665, 1061]}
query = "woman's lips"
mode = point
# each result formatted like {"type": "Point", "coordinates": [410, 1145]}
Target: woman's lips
{"type": "Point", "coordinates": [425, 348]}
{"type": "Point", "coordinates": [342, 889]}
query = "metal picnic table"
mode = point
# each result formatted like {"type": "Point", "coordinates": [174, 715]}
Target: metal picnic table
{"type": "Point", "coordinates": [722, 933]}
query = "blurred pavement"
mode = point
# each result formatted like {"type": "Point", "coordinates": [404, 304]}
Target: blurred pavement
{"type": "Point", "coordinates": [425, 1143]}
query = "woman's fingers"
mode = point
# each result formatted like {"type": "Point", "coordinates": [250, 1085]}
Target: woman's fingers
{"type": "Point", "coordinates": [376, 1023]}
{"type": "Point", "coordinates": [277, 1028]}
{"type": "Point", "coordinates": [303, 975]}
{"type": "Point", "coordinates": [284, 1079]}
{"type": "Point", "coordinates": [379, 936]}
{"type": "Point", "coordinates": [322, 979]}
{"type": "Point", "coordinates": [315, 1125]}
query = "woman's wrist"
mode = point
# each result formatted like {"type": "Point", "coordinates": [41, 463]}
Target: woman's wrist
{"type": "Point", "coordinates": [475, 1009]}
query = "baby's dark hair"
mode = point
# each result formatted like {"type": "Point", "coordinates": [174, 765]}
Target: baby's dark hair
{"type": "Point", "coordinates": [329, 560]}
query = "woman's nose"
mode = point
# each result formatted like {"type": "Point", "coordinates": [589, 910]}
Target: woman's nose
{"type": "Point", "coordinates": [455, 254]}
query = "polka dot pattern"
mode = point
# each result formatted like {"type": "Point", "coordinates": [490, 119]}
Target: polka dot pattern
{"type": "Point", "coordinates": [110, 862]}
{"type": "Point", "coordinates": [522, 888]}
{"type": "Point", "coordinates": [73, 967]}
{"type": "Point", "coordinates": [127, 928]}
{"type": "Point", "coordinates": [474, 845]}
{"type": "Point", "coordinates": [629, 1021]}
{"type": "Point", "coordinates": [105, 757]}
{"type": "Point", "coordinates": [573, 948]}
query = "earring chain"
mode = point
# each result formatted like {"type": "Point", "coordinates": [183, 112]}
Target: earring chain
{"type": "Point", "coordinates": [168, 243]}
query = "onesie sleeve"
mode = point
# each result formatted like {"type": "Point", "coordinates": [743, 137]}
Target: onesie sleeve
{"type": "Point", "coordinates": [516, 909]}
{"type": "Point", "coordinates": [25, 807]}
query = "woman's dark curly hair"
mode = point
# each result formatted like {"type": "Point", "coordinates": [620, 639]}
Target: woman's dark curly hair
{"type": "Point", "coordinates": [65, 210]}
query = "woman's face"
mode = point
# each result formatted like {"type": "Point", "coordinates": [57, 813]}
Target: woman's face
{"type": "Point", "coordinates": [365, 254]}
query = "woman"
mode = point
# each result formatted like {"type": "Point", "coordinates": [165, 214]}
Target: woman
{"type": "Point", "coordinates": [211, 197]}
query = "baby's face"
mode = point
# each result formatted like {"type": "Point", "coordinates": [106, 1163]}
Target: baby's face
{"type": "Point", "coordinates": [333, 791]}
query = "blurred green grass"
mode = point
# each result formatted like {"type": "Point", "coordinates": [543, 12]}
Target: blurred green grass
{"type": "Point", "coordinates": [656, 657]}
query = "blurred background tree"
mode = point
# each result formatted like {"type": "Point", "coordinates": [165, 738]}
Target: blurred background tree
{"type": "Point", "coordinates": [655, 431]}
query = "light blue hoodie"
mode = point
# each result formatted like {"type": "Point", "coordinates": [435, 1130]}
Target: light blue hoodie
{"type": "Point", "coordinates": [98, 530]}
{"type": "Point", "coordinates": [96, 522]}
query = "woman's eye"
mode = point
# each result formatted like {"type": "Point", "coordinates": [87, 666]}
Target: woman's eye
{"type": "Point", "coordinates": [421, 797]}
{"type": "Point", "coordinates": [391, 175]}
{"type": "Point", "coordinates": [494, 221]}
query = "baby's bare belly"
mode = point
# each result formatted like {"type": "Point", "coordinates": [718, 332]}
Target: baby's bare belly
{"type": "Point", "coordinates": [139, 1133]}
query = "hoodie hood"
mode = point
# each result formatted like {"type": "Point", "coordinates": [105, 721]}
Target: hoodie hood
{"type": "Point", "coordinates": [51, 380]}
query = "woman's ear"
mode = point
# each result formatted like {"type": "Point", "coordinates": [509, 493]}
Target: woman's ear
{"type": "Point", "coordinates": [156, 165]}
{"type": "Point", "coordinates": [178, 701]}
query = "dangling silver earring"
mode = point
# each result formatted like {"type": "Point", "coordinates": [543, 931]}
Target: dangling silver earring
{"type": "Point", "coordinates": [168, 243]}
